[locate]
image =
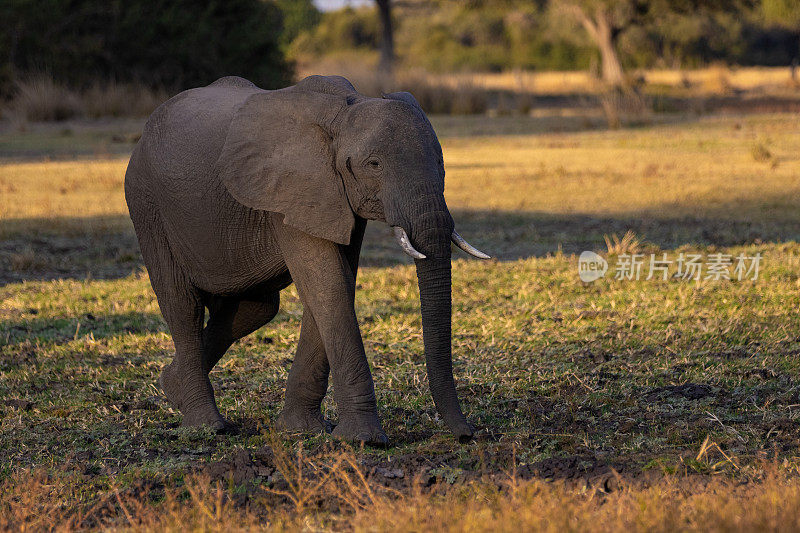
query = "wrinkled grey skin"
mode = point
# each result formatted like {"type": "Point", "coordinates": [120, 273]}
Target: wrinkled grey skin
{"type": "Point", "coordinates": [236, 192]}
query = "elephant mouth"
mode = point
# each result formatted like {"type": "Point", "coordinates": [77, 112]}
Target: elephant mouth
{"type": "Point", "coordinates": [405, 243]}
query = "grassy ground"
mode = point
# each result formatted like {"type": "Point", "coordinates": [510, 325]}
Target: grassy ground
{"type": "Point", "coordinates": [710, 80]}
{"type": "Point", "coordinates": [636, 392]}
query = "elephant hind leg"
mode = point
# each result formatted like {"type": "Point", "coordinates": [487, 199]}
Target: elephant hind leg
{"type": "Point", "coordinates": [183, 381]}
{"type": "Point", "coordinates": [230, 319]}
{"type": "Point", "coordinates": [307, 382]}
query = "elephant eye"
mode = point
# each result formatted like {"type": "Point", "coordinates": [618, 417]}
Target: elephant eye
{"type": "Point", "coordinates": [374, 164]}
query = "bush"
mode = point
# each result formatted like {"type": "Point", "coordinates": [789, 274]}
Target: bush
{"type": "Point", "coordinates": [434, 94]}
{"type": "Point", "coordinates": [436, 97]}
{"type": "Point", "coordinates": [121, 100]}
{"type": "Point", "coordinates": [451, 36]}
{"type": "Point", "coordinates": [160, 43]}
{"type": "Point", "coordinates": [40, 99]}
{"type": "Point", "coordinates": [760, 153]}
{"type": "Point", "coordinates": [344, 29]}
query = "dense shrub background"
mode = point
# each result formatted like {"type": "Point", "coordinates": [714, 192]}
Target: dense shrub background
{"type": "Point", "coordinates": [494, 35]}
{"type": "Point", "coordinates": [161, 43]}
{"type": "Point", "coordinates": [174, 44]}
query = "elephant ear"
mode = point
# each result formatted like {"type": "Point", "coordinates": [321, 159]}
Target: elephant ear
{"type": "Point", "coordinates": [278, 157]}
{"type": "Point", "coordinates": [328, 85]}
{"type": "Point", "coordinates": [403, 96]}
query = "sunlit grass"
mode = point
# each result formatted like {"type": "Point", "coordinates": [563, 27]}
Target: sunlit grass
{"type": "Point", "coordinates": [336, 498]}
{"type": "Point", "coordinates": [56, 195]}
{"type": "Point", "coordinates": [683, 169]}
{"type": "Point", "coordinates": [666, 171]}
{"type": "Point", "coordinates": [709, 81]}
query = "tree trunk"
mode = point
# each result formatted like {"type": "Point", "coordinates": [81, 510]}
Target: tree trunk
{"type": "Point", "coordinates": [607, 43]}
{"type": "Point", "coordinates": [387, 37]}
{"type": "Point", "coordinates": [604, 35]}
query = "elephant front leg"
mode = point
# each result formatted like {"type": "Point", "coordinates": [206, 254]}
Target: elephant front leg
{"type": "Point", "coordinates": [307, 382]}
{"type": "Point", "coordinates": [326, 285]}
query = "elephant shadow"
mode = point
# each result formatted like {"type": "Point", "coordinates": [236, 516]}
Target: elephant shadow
{"type": "Point", "coordinates": [105, 247]}
{"type": "Point", "coordinates": [513, 235]}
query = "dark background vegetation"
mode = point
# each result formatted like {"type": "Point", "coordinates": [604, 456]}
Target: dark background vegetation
{"type": "Point", "coordinates": [169, 43]}
{"type": "Point", "coordinates": [495, 35]}
{"type": "Point", "coordinates": [181, 43]}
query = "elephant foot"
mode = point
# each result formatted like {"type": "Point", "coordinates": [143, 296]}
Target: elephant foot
{"type": "Point", "coordinates": [218, 424]}
{"type": "Point", "coordinates": [462, 430]}
{"type": "Point", "coordinates": [197, 412]}
{"type": "Point", "coordinates": [302, 420]}
{"type": "Point", "coordinates": [361, 429]}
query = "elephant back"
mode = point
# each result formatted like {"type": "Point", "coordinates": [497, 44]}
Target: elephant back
{"type": "Point", "coordinates": [185, 135]}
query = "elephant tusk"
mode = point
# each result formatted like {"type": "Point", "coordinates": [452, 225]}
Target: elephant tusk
{"type": "Point", "coordinates": [459, 241]}
{"type": "Point", "coordinates": [405, 244]}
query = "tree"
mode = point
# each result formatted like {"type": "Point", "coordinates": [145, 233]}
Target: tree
{"type": "Point", "coordinates": [387, 37]}
{"type": "Point", "coordinates": [606, 20]}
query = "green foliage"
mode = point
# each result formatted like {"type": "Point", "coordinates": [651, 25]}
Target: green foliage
{"type": "Point", "coordinates": [447, 35]}
{"type": "Point", "coordinates": [345, 29]}
{"type": "Point", "coordinates": [782, 12]}
{"type": "Point", "coordinates": [450, 36]}
{"type": "Point", "coordinates": [175, 43]}
{"type": "Point", "coordinates": [298, 16]}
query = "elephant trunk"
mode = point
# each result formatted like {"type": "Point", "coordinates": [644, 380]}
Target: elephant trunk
{"type": "Point", "coordinates": [431, 230]}
{"type": "Point", "coordinates": [434, 295]}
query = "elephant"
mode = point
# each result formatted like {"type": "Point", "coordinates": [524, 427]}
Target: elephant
{"type": "Point", "coordinates": [235, 192]}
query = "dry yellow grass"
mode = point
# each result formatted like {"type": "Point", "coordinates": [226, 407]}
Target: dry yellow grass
{"type": "Point", "coordinates": [705, 81]}
{"type": "Point", "coordinates": [661, 171]}
{"type": "Point", "coordinates": [40, 98]}
{"type": "Point", "coordinates": [711, 80]}
{"type": "Point", "coordinates": [665, 171]}
{"type": "Point", "coordinates": [69, 188]}
{"type": "Point", "coordinates": [60, 196]}
{"type": "Point", "coordinates": [36, 501]}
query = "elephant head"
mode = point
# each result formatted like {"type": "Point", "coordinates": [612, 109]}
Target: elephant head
{"type": "Point", "coordinates": [320, 154]}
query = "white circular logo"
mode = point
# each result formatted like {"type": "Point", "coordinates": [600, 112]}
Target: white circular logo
{"type": "Point", "coordinates": [591, 266]}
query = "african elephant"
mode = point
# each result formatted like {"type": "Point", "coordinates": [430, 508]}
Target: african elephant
{"type": "Point", "coordinates": [235, 192]}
